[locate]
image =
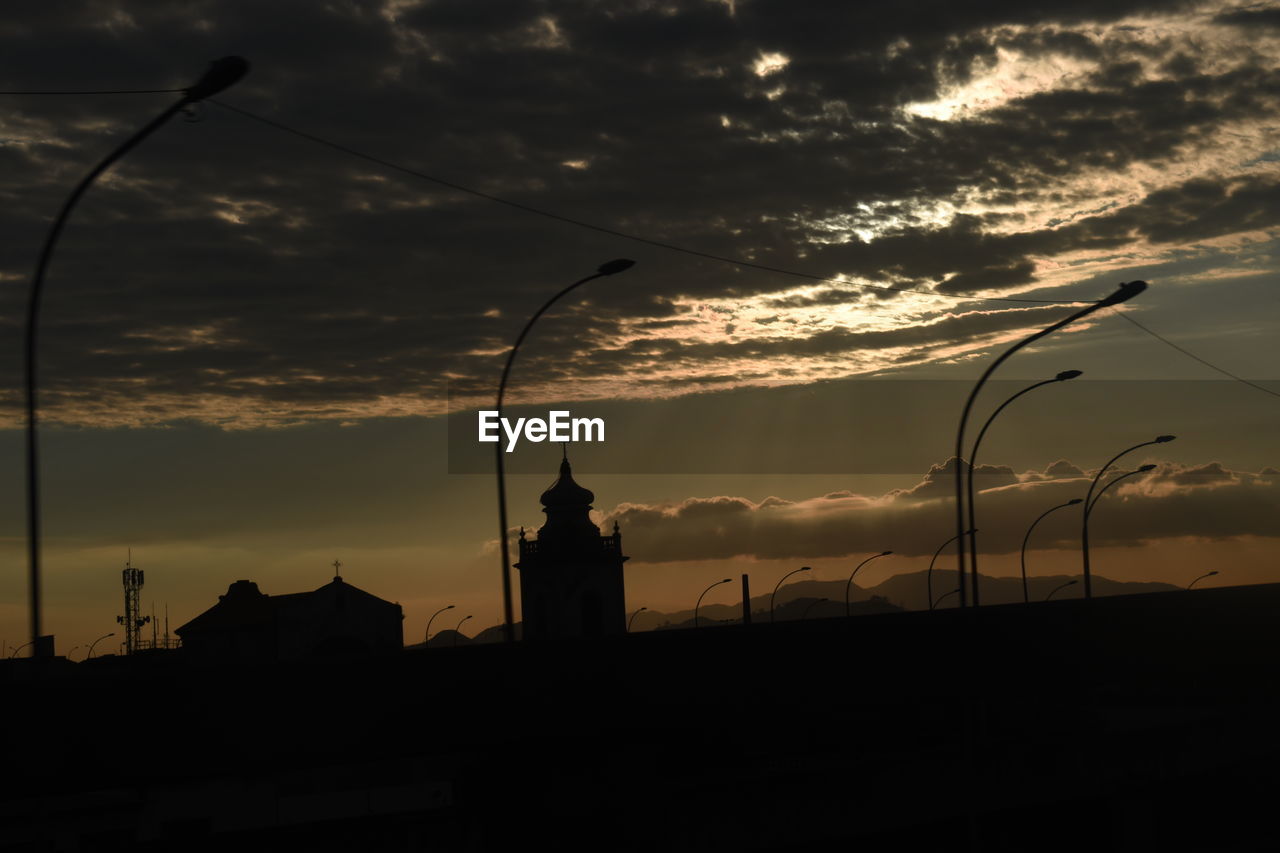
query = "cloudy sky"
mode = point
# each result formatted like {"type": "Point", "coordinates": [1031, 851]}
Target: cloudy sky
{"type": "Point", "coordinates": [252, 334]}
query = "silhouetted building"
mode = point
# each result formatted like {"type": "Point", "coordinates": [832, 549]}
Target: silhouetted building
{"type": "Point", "coordinates": [336, 620]}
{"type": "Point", "coordinates": [571, 577]}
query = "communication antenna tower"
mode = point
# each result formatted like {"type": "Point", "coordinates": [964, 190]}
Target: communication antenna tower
{"type": "Point", "coordinates": [132, 620]}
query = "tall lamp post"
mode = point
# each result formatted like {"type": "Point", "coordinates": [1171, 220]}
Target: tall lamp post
{"type": "Point", "coordinates": [1088, 505]}
{"type": "Point", "coordinates": [1088, 511]}
{"type": "Point", "coordinates": [508, 626]}
{"type": "Point", "coordinates": [812, 604]}
{"type": "Point", "coordinates": [426, 637]}
{"type": "Point", "coordinates": [458, 630]}
{"type": "Point", "coordinates": [1125, 291]}
{"type": "Point", "coordinates": [1025, 539]}
{"type": "Point", "coordinates": [633, 618]}
{"type": "Point", "coordinates": [704, 592]}
{"type": "Point", "coordinates": [945, 596]}
{"type": "Point", "coordinates": [1063, 586]}
{"type": "Point", "coordinates": [973, 464]}
{"type": "Point", "coordinates": [95, 642]}
{"type": "Point", "coordinates": [1202, 577]}
{"type": "Point", "coordinates": [928, 578]}
{"type": "Point", "coordinates": [778, 584]}
{"type": "Point", "coordinates": [855, 572]}
{"type": "Point", "coordinates": [222, 73]}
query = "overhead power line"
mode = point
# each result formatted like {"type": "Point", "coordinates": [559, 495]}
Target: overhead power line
{"type": "Point", "coordinates": [1192, 355]}
{"type": "Point", "coordinates": [648, 241]}
{"type": "Point", "coordinates": [345, 149]}
{"type": "Point", "coordinates": [100, 92]}
{"type": "Point", "coordinates": [739, 262]}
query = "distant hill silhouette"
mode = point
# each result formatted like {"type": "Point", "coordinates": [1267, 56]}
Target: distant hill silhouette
{"type": "Point", "coordinates": [908, 590]}
{"type": "Point", "coordinates": [896, 593]}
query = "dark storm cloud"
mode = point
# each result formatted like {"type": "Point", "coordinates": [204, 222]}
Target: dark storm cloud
{"type": "Point", "coordinates": [223, 258]}
{"type": "Point", "coordinates": [1173, 501]}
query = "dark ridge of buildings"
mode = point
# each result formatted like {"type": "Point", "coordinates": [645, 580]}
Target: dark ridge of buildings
{"type": "Point", "coordinates": [1127, 722]}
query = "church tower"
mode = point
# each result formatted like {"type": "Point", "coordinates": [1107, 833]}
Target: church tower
{"type": "Point", "coordinates": [571, 577]}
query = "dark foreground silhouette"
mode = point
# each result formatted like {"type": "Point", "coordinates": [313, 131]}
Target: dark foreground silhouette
{"type": "Point", "coordinates": [1122, 722]}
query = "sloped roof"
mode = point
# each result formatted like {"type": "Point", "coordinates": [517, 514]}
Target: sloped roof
{"type": "Point", "coordinates": [246, 607]}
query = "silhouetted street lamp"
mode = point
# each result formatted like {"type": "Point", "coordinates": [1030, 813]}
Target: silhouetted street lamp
{"type": "Point", "coordinates": [928, 578]}
{"type": "Point", "coordinates": [426, 637]}
{"type": "Point", "coordinates": [1088, 504]}
{"type": "Point", "coordinates": [222, 73]}
{"type": "Point", "coordinates": [633, 618]}
{"type": "Point", "coordinates": [812, 604]}
{"type": "Point", "coordinates": [945, 596]}
{"type": "Point", "coordinates": [1055, 589]}
{"type": "Point", "coordinates": [1202, 577]}
{"type": "Point", "coordinates": [973, 464]}
{"type": "Point", "coordinates": [95, 642]}
{"type": "Point", "coordinates": [775, 588]}
{"type": "Point", "coordinates": [18, 649]}
{"type": "Point", "coordinates": [1088, 511]}
{"type": "Point", "coordinates": [855, 572]}
{"type": "Point", "coordinates": [1125, 291]}
{"type": "Point", "coordinates": [457, 631]}
{"type": "Point", "coordinates": [1027, 538]}
{"type": "Point", "coordinates": [73, 648]}
{"type": "Point", "coordinates": [704, 592]}
{"type": "Point", "coordinates": [508, 626]}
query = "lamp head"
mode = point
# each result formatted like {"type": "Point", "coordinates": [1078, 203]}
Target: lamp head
{"type": "Point", "coordinates": [1211, 574]}
{"type": "Point", "coordinates": [804, 569]}
{"type": "Point", "coordinates": [727, 580]}
{"type": "Point", "coordinates": [1161, 439]}
{"type": "Point", "coordinates": [885, 553]}
{"type": "Point", "coordinates": [615, 266]}
{"type": "Point", "coordinates": [1075, 501]}
{"type": "Point", "coordinates": [1125, 292]}
{"type": "Point", "coordinates": [1068, 374]}
{"type": "Point", "coordinates": [222, 74]}
{"type": "Point", "coordinates": [450, 607]}
{"type": "Point", "coordinates": [1145, 468]}
{"type": "Point", "coordinates": [1069, 583]}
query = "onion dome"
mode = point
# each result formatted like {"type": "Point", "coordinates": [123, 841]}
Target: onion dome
{"type": "Point", "coordinates": [564, 492]}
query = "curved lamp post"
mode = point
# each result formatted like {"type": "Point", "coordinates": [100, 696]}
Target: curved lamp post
{"type": "Point", "coordinates": [458, 630]}
{"type": "Point", "coordinates": [73, 648]}
{"type": "Point", "coordinates": [945, 596]}
{"type": "Point", "coordinates": [95, 642]}
{"type": "Point", "coordinates": [812, 604]}
{"type": "Point", "coordinates": [1027, 538]}
{"type": "Point", "coordinates": [18, 649]}
{"type": "Point", "coordinates": [508, 626]}
{"type": "Point", "coordinates": [704, 592]}
{"type": "Point", "coordinates": [779, 583]}
{"type": "Point", "coordinates": [426, 637]}
{"type": "Point", "coordinates": [633, 618]}
{"type": "Point", "coordinates": [1088, 511]}
{"type": "Point", "coordinates": [1202, 577]}
{"type": "Point", "coordinates": [1088, 505]}
{"type": "Point", "coordinates": [222, 73]}
{"type": "Point", "coordinates": [1125, 291]}
{"type": "Point", "coordinates": [1055, 589]}
{"type": "Point", "coordinates": [928, 579]}
{"type": "Point", "coordinates": [973, 463]}
{"type": "Point", "coordinates": [855, 572]}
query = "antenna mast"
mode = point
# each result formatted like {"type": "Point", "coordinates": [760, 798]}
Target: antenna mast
{"type": "Point", "coordinates": [132, 620]}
